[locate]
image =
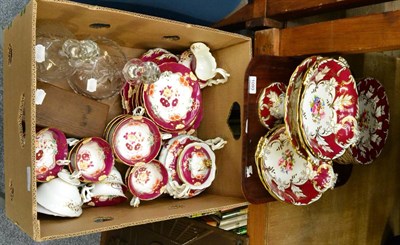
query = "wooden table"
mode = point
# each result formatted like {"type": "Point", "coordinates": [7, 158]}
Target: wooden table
{"type": "Point", "coordinates": [366, 210]}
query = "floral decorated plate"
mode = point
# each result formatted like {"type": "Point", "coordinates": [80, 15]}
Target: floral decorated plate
{"type": "Point", "coordinates": [271, 104]}
{"type": "Point", "coordinates": [196, 165]}
{"type": "Point", "coordinates": [373, 121]}
{"type": "Point", "coordinates": [93, 157]}
{"type": "Point", "coordinates": [285, 166]}
{"type": "Point", "coordinates": [284, 173]}
{"type": "Point", "coordinates": [51, 150]}
{"type": "Point", "coordinates": [135, 139]}
{"type": "Point", "coordinates": [159, 56]}
{"type": "Point", "coordinates": [147, 181]}
{"type": "Point", "coordinates": [291, 103]}
{"type": "Point", "coordinates": [328, 109]}
{"type": "Point", "coordinates": [174, 100]}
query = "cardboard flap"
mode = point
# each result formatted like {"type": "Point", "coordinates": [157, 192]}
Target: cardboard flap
{"type": "Point", "coordinates": [19, 126]}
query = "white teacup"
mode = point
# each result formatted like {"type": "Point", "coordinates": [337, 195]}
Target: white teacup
{"type": "Point", "coordinates": [114, 177]}
{"type": "Point", "coordinates": [107, 189]}
{"type": "Point", "coordinates": [60, 196]}
{"type": "Point", "coordinates": [204, 65]}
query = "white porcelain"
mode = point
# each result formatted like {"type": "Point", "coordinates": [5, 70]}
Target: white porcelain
{"type": "Point", "coordinates": [60, 196]}
{"type": "Point", "coordinates": [147, 181]}
{"type": "Point", "coordinates": [196, 165]}
{"type": "Point", "coordinates": [114, 177]}
{"type": "Point", "coordinates": [43, 210]}
{"type": "Point", "coordinates": [104, 189]}
{"type": "Point", "coordinates": [205, 66]}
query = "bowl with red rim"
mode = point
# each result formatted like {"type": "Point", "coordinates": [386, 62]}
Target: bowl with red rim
{"type": "Point", "coordinates": [93, 158]}
{"type": "Point", "coordinates": [174, 101]}
{"type": "Point", "coordinates": [292, 100]}
{"type": "Point", "coordinates": [196, 165]}
{"type": "Point", "coordinates": [147, 181]}
{"type": "Point", "coordinates": [328, 109]}
{"type": "Point", "coordinates": [373, 122]}
{"type": "Point", "coordinates": [135, 139]}
{"type": "Point", "coordinates": [271, 104]}
{"type": "Point", "coordinates": [51, 150]}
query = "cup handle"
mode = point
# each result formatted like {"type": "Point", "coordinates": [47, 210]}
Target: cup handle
{"type": "Point", "coordinates": [216, 144]}
{"type": "Point", "coordinates": [135, 201]}
{"type": "Point", "coordinates": [225, 75]}
{"type": "Point", "coordinates": [86, 193]}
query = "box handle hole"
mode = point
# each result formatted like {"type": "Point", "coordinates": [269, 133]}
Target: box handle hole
{"type": "Point", "coordinates": [102, 219]}
{"type": "Point", "coordinates": [172, 38]}
{"type": "Point", "coordinates": [21, 121]}
{"type": "Point", "coordinates": [99, 26]}
{"type": "Point", "coordinates": [234, 121]}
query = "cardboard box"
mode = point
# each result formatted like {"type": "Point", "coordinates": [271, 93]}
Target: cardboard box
{"type": "Point", "coordinates": [136, 33]}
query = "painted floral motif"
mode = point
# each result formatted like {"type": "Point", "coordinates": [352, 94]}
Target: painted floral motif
{"type": "Point", "coordinates": [90, 159]}
{"type": "Point", "coordinates": [83, 159]}
{"type": "Point", "coordinates": [317, 109]}
{"type": "Point", "coordinates": [45, 152]}
{"type": "Point", "coordinates": [147, 180]}
{"type": "Point", "coordinates": [286, 162]}
{"type": "Point", "coordinates": [136, 140]}
{"type": "Point", "coordinates": [328, 109]}
{"type": "Point", "coordinates": [198, 165]}
{"type": "Point", "coordinates": [280, 160]}
{"type": "Point", "coordinates": [142, 176]}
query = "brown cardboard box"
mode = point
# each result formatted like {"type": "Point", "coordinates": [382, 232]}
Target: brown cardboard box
{"type": "Point", "coordinates": [136, 33]}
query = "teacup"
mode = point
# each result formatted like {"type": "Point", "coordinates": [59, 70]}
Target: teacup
{"type": "Point", "coordinates": [134, 139]}
{"type": "Point", "coordinates": [147, 181]}
{"type": "Point", "coordinates": [114, 177]}
{"type": "Point", "coordinates": [93, 157]}
{"type": "Point", "coordinates": [51, 151]}
{"type": "Point", "coordinates": [107, 189]}
{"type": "Point", "coordinates": [196, 165]}
{"type": "Point", "coordinates": [104, 194]}
{"type": "Point", "coordinates": [60, 196]}
{"type": "Point", "coordinates": [205, 67]}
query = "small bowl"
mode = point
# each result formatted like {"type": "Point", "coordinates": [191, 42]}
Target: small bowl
{"type": "Point", "coordinates": [135, 139]}
{"type": "Point", "coordinates": [271, 104]}
{"type": "Point", "coordinates": [373, 123]}
{"type": "Point", "coordinates": [147, 181]}
{"type": "Point", "coordinates": [93, 157]}
{"type": "Point", "coordinates": [196, 165]}
{"type": "Point", "coordinates": [51, 150]}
